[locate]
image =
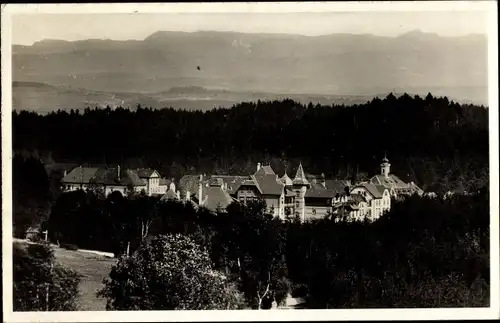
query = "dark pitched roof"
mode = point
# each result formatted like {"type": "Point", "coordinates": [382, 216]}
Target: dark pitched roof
{"type": "Point", "coordinates": [215, 181]}
{"type": "Point", "coordinates": [265, 170]}
{"type": "Point", "coordinates": [375, 190]}
{"type": "Point", "coordinates": [300, 177]}
{"type": "Point", "coordinates": [170, 195]}
{"type": "Point", "coordinates": [336, 185]}
{"type": "Point", "coordinates": [268, 184]}
{"type": "Point", "coordinates": [80, 175]}
{"type": "Point", "coordinates": [214, 197]}
{"type": "Point", "coordinates": [250, 182]}
{"type": "Point", "coordinates": [145, 172]}
{"type": "Point", "coordinates": [232, 182]}
{"type": "Point", "coordinates": [319, 191]}
{"type": "Point", "coordinates": [109, 176]}
{"type": "Point", "coordinates": [103, 176]}
{"type": "Point", "coordinates": [391, 181]}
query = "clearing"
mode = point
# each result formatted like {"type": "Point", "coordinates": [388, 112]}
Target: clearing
{"type": "Point", "coordinates": [93, 269]}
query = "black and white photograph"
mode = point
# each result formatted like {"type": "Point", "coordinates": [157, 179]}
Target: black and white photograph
{"type": "Point", "coordinates": [266, 160]}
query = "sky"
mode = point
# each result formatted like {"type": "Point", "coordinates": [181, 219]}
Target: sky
{"type": "Point", "coordinates": [29, 28]}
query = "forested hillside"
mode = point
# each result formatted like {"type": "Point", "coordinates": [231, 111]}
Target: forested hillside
{"type": "Point", "coordinates": [439, 144]}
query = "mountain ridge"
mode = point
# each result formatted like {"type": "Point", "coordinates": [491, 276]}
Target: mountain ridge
{"type": "Point", "coordinates": [335, 64]}
{"type": "Point", "coordinates": [415, 32]}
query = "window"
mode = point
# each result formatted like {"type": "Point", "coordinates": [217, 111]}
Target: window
{"type": "Point", "coordinates": [314, 211]}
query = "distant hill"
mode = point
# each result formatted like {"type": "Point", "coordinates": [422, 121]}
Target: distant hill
{"type": "Point", "coordinates": [338, 64]}
{"type": "Point", "coordinates": [44, 98]}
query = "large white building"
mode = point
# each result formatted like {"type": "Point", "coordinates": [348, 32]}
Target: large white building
{"type": "Point", "coordinates": [305, 196]}
{"type": "Point", "coordinates": [370, 200]}
{"type": "Point", "coordinates": [284, 197]}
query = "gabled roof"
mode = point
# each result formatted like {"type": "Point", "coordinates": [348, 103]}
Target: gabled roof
{"type": "Point", "coordinates": [232, 182]}
{"type": "Point", "coordinates": [214, 197]}
{"type": "Point", "coordinates": [170, 195]}
{"type": "Point", "coordinates": [376, 191]}
{"type": "Point", "coordinates": [336, 185]}
{"type": "Point", "coordinates": [265, 170]}
{"type": "Point", "coordinates": [215, 181]}
{"type": "Point", "coordinates": [145, 172]}
{"type": "Point", "coordinates": [394, 182]}
{"type": "Point", "coordinates": [248, 182]}
{"type": "Point", "coordinates": [268, 184]}
{"type": "Point", "coordinates": [391, 181]}
{"type": "Point", "coordinates": [80, 175]}
{"type": "Point", "coordinates": [300, 177]}
{"type": "Point", "coordinates": [319, 191]}
{"type": "Point", "coordinates": [109, 176]}
{"type": "Point", "coordinates": [103, 176]}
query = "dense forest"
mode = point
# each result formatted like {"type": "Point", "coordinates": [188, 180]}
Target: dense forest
{"type": "Point", "coordinates": [440, 145]}
{"type": "Point", "coordinates": [425, 252]}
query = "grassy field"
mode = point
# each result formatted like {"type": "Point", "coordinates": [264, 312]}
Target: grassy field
{"type": "Point", "coordinates": [92, 268]}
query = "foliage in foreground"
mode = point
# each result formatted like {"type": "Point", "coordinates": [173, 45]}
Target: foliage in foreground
{"type": "Point", "coordinates": [423, 253]}
{"type": "Point", "coordinates": [40, 284]}
{"type": "Point", "coordinates": [169, 272]}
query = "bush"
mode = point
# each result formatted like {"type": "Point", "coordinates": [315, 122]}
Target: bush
{"type": "Point", "coordinates": [170, 272]}
{"type": "Point", "coordinates": [37, 276]}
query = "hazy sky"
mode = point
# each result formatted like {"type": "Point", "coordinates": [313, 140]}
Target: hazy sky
{"type": "Point", "coordinates": [27, 29]}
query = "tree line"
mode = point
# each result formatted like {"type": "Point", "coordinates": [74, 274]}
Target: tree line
{"type": "Point", "coordinates": [432, 141]}
{"type": "Point", "coordinates": [423, 253]}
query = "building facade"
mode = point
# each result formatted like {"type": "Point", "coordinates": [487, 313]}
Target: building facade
{"type": "Point", "coordinates": [305, 197]}
{"type": "Point", "coordinates": [114, 179]}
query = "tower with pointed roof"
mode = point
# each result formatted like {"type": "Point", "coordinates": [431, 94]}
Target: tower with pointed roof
{"type": "Point", "coordinates": [300, 186]}
{"type": "Point", "coordinates": [385, 167]}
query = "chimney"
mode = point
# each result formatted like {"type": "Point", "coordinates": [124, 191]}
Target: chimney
{"type": "Point", "coordinates": [118, 171]}
{"type": "Point", "coordinates": [258, 166]}
{"type": "Point", "coordinates": [188, 196]}
{"type": "Point", "coordinates": [65, 173]}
